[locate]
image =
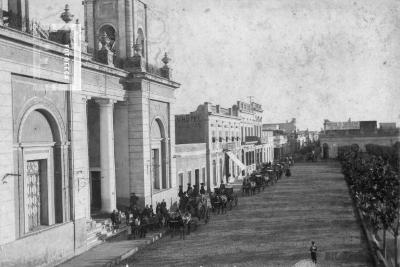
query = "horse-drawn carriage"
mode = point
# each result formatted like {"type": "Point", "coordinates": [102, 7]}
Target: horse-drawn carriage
{"type": "Point", "coordinates": [223, 198]}
{"type": "Point", "coordinates": [183, 223]}
{"type": "Point", "coordinates": [198, 206]}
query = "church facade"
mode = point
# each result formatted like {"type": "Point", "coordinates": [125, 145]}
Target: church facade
{"type": "Point", "coordinates": [86, 122]}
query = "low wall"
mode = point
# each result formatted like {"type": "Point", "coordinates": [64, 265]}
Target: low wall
{"type": "Point", "coordinates": [44, 248]}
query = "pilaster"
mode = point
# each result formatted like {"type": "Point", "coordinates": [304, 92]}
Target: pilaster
{"type": "Point", "coordinates": [8, 183]}
{"type": "Point", "coordinates": [139, 144]}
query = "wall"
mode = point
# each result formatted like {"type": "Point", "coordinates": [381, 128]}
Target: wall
{"type": "Point", "coordinates": [190, 129]}
{"type": "Point", "coordinates": [121, 153]}
{"type": "Point", "coordinates": [93, 119]}
{"type": "Point", "coordinates": [335, 142]}
{"type": "Point", "coordinates": [41, 248]}
{"type": "Point", "coordinates": [7, 185]}
{"type": "Point", "coordinates": [190, 157]}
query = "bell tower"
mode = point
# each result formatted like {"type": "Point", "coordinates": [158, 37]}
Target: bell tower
{"type": "Point", "coordinates": [124, 22]}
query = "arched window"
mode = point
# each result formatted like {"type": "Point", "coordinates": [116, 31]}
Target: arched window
{"type": "Point", "coordinates": [110, 31]}
{"type": "Point", "coordinates": [158, 156]}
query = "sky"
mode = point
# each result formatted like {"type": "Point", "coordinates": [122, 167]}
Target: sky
{"type": "Point", "coordinates": [305, 59]}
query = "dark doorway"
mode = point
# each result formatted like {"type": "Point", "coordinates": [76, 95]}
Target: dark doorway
{"type": "Point", "coordinates": [95, 203]}
{"type": "Point", "coordinates": [325, 150]}
{"type": "Point", "coordinates": [227, 167]}
{"type": "Point", "coordinates": [197, 177]}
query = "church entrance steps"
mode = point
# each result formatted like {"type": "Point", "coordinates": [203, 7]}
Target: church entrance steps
{"type": "Point", "coordinates": [100, 230]}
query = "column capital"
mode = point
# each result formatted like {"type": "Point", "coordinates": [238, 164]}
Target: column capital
{"type": "Point", "coordinates": [105, 102]}
{"type": "Point", "coordinates": [89, 2]}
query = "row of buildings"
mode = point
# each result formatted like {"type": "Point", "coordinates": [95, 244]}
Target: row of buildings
{"type": "Point", "coordinates": [232, 139]}
{"type": "Point", "coordinates": [362, 133]}
{"type": "Point", "coordinates": [87, 121]}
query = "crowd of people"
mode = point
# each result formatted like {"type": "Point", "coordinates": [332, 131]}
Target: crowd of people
{"type": "Point", "coordinates": [139, 220]}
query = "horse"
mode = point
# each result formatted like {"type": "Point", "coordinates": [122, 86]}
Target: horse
{"type": "Point", "coordinates": [175, 222]}
{"type": "Point", "coordinates": [246, 187]}
{"type": "Point", "coordinates": [136, 227]}
{"type": "Point", "coordinates": [216, 203]}
{"type": "Point", "coordinates": [253, 187]}
{"type": "Point", "coordinates": [224, 202]}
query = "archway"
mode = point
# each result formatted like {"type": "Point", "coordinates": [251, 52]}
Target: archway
{"type": "Point", "coordinates": [325, 150]}
{"type": "Point", "coordinates": [158, 156]}
{"type": "Point", "coordinates": [43, 201]}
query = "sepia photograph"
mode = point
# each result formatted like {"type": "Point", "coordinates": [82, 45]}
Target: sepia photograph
{"type": "Point", "coordinates": [139, 133]}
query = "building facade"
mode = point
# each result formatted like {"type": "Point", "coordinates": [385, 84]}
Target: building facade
{"type": "Point", "coordinates": [219, 129]}
{"type": "Point", "coordinates": [191, 164]}
{"type": "Point", "coordinates": [233, 138]}
{"type": "Point", "coordinates": [86, 121]}
{"type": "Point", "coordinates": [338, 134]}
{"type": "Point", "coordinates": [255, 149]}
{"type": "Point", "coordinates": [284, 131]}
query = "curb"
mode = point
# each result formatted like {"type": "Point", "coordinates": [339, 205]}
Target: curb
{"type": "Point", "coordinates": [116, 261]}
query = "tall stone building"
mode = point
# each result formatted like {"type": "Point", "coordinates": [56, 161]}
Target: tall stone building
{"type": "Point", "coordinates": [85, 123]}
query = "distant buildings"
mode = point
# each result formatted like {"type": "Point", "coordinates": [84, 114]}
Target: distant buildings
{"type": "Point", "coordinates": [337, 134]}
{"type": "Point", "coordinates": [285, 137]}
{"type": "Point", "coordinates": [233, 138]}
{"type": "Point", "coordinates": [306, 137]}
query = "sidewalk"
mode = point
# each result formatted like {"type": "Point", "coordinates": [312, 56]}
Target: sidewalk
{"type": "Point", "coordinates": [111, 253]}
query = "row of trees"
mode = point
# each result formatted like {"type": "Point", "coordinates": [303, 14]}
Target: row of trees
{"type": "Point", "coordinates": [374, 184]}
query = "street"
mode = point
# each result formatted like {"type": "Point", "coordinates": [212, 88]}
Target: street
{"type": "Point", "coordinates": [274, 228]}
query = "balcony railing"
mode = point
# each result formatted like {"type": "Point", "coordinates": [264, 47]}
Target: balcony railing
{"type": "Point", "coordinates": [229, 146]}
{"type": "Point", "coordinates": [252, 139]}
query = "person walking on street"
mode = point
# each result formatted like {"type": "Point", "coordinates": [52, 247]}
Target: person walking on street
{"type": "Point", "coordinates": [313, 251]}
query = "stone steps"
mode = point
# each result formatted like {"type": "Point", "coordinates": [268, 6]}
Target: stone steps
{"type": "Point", "coordinates": [100, 230]}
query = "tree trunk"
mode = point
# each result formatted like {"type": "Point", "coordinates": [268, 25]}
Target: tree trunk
{"type": "Point", "coordinates": [384, 243]}
{"type": "Point", "coordinates": [396, 250]}
{"type": "Point", "coordinates": [396, 263]}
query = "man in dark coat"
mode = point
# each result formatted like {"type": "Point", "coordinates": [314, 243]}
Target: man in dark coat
{"type": "Point", "coordinates": [195, 190]}
{"type": "Point", "coordinates": [202, 190]}
{"type": "Point", "coordinates": [313, 251]}
{"type": "Point", "coordinates": [180, 193]}
{"type": "Point", "coordinates": [189, 190]}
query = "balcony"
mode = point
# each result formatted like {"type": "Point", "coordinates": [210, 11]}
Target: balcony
{"type": "Point", "coordinates": [64, 35]}
{"type": "Point", "coordinates": [252, 140]}
{"type": "Point", "coordinates": [229, 146]}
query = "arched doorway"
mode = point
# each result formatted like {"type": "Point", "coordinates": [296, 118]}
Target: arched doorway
{"type": "Point", "coordinates": [214, 170]}
{"type": "Point", "coordinates": [325, 150]}
{"type": "Point", "coordinates": [158, 156]}
{"type": "Point", "coordinates": [43, 154]}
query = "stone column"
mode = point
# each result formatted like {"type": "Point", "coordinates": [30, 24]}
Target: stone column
{"type": "Point", "coordinates": [129, 28]}
{"type": "Point", "coordinates": [107, 159]}
{"type": "Point", "coordinates": [89, 26]}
